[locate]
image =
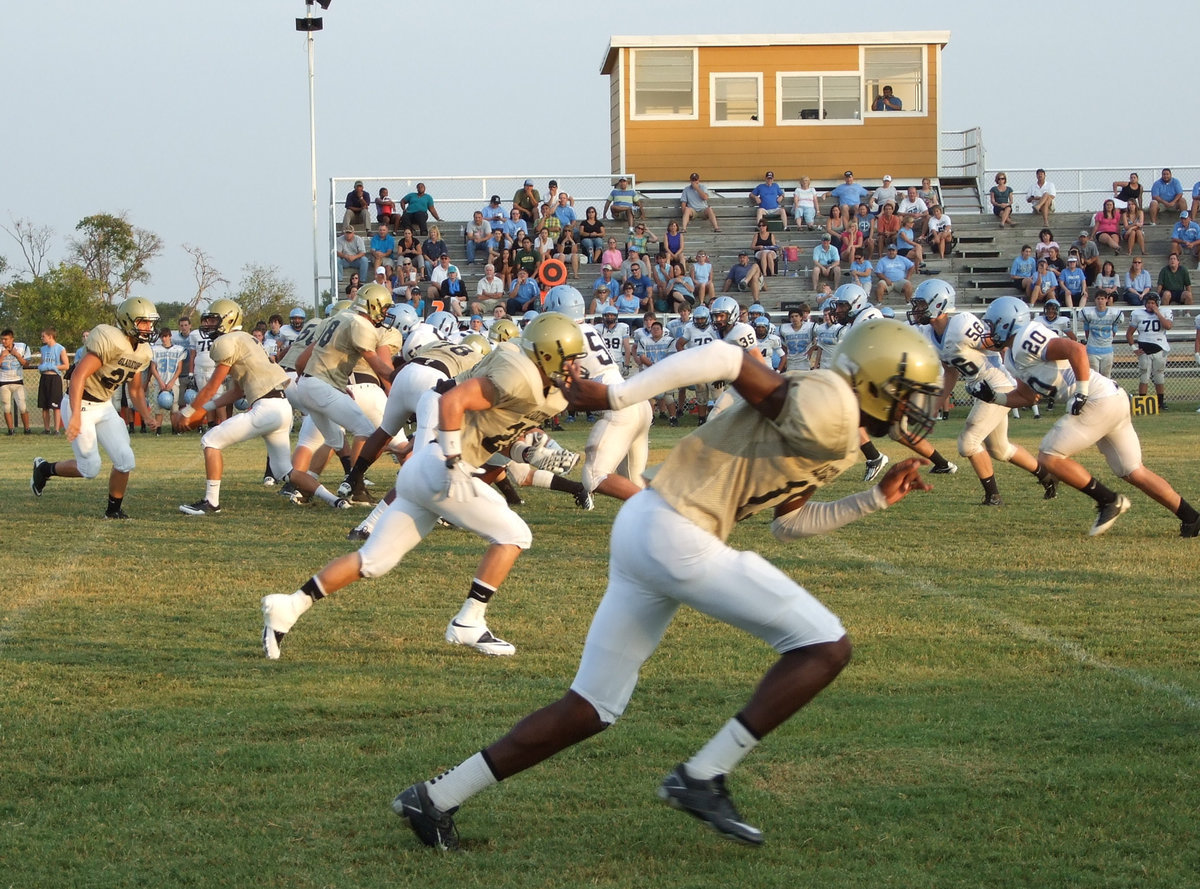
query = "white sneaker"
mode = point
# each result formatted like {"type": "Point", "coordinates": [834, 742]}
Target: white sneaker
{"type": "Point", "coordinates": [279, 616]}
{"type": "Point", "coordinates": [479, 637]}
{"type": "Point", "coordinates": [949, 469]}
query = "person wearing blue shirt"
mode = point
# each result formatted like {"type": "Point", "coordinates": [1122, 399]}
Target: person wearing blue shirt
{"type": "Point", "coordinates": [565, 212]}
{"type": "Point", "coordinates": [887, 101]}
{"type": "Point", "coordinates": [849, 195]}
{"type": "Point", "coordinates": [1073, 283]}
{"type": "Point", "coordinates": [894, 272]}
{"type": "Point", "coordinates": [1166, 193]}
{"type": "Point", "coordinates": [383, 245]}
{"type": "Point", "coordinates": [1186, 235]}
{"type": "Point", "coordinates": [1023, 271]}
{"type": "Point", "coordinates": [1099, 325]}
{"type": "Point", "coordinates": [1045, 284]}
{"type": "Point", "coordinates": [768, 197]}
{"type": "Point", "coordinates": [627, 302]}
{"type": "Point", "coordinates": [524, 295]}
{"type": "Point", "coordinates": [493, 213]}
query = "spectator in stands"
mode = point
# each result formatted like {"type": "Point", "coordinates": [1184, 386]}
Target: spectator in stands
{"type": "Point", "coordinates": [527, 202]}
{"type": "Point", "coordinates": [644, 285]}
{"type": "Point", "coordinates": [635, 258]}
{"type": "Point", "coordinates": [1040, 196]}
{"type": "Point", "coordinates": [895, 275]}
{"type": "Point", "coordinates": [865, 223]}
{"type": "Point", "coordinates": [848, 195]}
{"type": "Point", "coordinates": [836, 225]}
{"type": "Point", "coordinates": [1000, 196]}
{"type": "Point", "coordinates": [1046, 284]}
{"type": "Point", "coordinates": [383, 248]}
{"type": "Point", "coordinates": [408, 247]}
{"type": "Point", "coordinates": [912, 204]}
{"type": "Point", "coordinates": [1054, 257]}
{"type": "Point", "coordinates": [493, 213]}
{"type": "Point", "coordinates": [941, 235]}
{"type": "Point", "coordinates": [440, 273]}
{"type": "Point", "coordinates": [660, 274]}
{"type": "Point", "coordinates": [352, 254]}
{"type": "Point", "coordinates": [906, 242]}
{"type": "Point", "coordinates": [453, 293]}
{"type": "Point", "coordinates": [768, 199]}
{"type": "Point", "coordinates": [418, 207]}
{"type": "Point", "coordinates": [543, 243]}
{"type": "Point", "coordinates": [1186, 236]}
{"type": "Point", "coordinates": [765, 249]}
{"type": "Point", "coordinates": [567, 249]}
{"type": "Point", "coordinates": [607, 280]}
{"type": "Point", "coordinates": [1174, 283]}
{"type": "Point", "coordinates": [1089, 254]}
{"type": "Point", "coordinates": [861, 271]}
{"type": "Point", "coordinates": [1166, 193]}
{"type": "Point", "coordinates": [524, 295]}
{"type": "Point", "coordinates": [505, 270]}
{"type": "Point", "coordinates": [826, 262]}
{"type": "Point", "coordinates": [602, 299]}
{"type": "Point", "coordinates": [883, 194]}
{"type": "Point", "coordinates": [673, 242]}
{"type": "Point", "coordinates": [702, 275]}
{"type": "Point", "coordinates": [591, 234]}
{"type": "Point", "coordinates": [683, 289]}
{"type": "Point", "coordinates": [526, 257]}
{"type": "Point", "coordinates": [480, 239]}
{"type": "Point", "coordinates": [887, 224]}
{"type": "Point", "coordinates": [852, 239]}
{"type": "Point", "coordinates": [381, 277]}
{"type": "Point", "coordinates": [1041, 250]}
{"type": "Point", "coordinates": [564, 211]}
{"type": "Point", "coordinates": [355, 282]}
{"type": "Point", "coordinates": [806, 205]}
{"type": "Point", "coordinates": [612, 254]}
{"type": "Point", "coordinates": [1133, 220]}
{"type": "Point", "coordinates": [1106, 285]}
{"type": "Point", "coordinates": [1106, 229]}
{"type": "Point", "coordinates": [623, 200]}
{"type": "Point", "coordinates": [514, 229]}
{"type": "Point", "coordinates": [743, 275]}
{"type": "Point", "coordinates": [550, 221]}
{"type": "Point", "coordinates": [407, 273]}
{"type": "Point", "coordinates": [693, 201]}
{"type": "Point", "coordinates": [1137, 284]}
{"type": "Point", "coordinates": [1195, 199]}
{"type": "Point", "coordinates": [1023, 272]}
{"type": "Point", "coordinates": [1128, 192]}
{"type": "Point", "coordinates": [887, 101]}
{"type": "Point", "coordinates": [433, 248]}
{"type": "Point", "coordinates": [1072, 283]}
{"type": "Point", "coordinates": [358, 208]}
{"type": "Point", "coordinates": [385, 209]}
{"type": "Point", "coordinates": [640, 239]}
{"type": "Point", "coordinates": [489, 291]}
{"type": "Point", "coordinates": [928, 193]}
{"type": "Point", "coordinates": [627, 302]}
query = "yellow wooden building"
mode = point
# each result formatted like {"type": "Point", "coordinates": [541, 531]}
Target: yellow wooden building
{"type": "Point", "coordinates": [733, 107]}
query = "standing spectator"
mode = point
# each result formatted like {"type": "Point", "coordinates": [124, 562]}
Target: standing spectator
{"type": "Point", "coordinates": [1132, 221]}
{"type": "Point", "coordinates": [887, 101]}
{"type": "Point", "coordinates": [1128, 192]}
{"type": "Point", "coordinates": [52, 366]}
{"type": "Point", "coordinates": [622, 200]}
{"type": "Point", "coordinates": [1174, 283]}
{"type": "Point", "coordinates": [848, 195]}
{"type": "Point", "coordinates": [418, 207]}
{"type": "Point", "coordinates": [1137, 284]}
{"type": "Point", "coordinates": [14, 358]}
{"type": "Point", "coordinates": [743, 275]}
{"type": "Point", "coordinates": [886, 192]}
{"type": "Point", "coordinates": [591, 233]}
{"type": "Point", "coordinates": [383, 248]}
{"type": "Point", "coordinates": [826, 263]}
{"type": "Point", "coordinates": [479, 238]}
{"type": "Point", "coordinates": [1147, 332]}
{"type": "Point", "coordinates": [493, 214]}
{"type": "Point", "coordinates": [352, 254]}
{"type": "Point", "coordinates": [1166, 193]}
{"type": "Point", "coordinates": [702, 274]}
{"type": "Point", "coordinates": [806, 204]}
{"type": "Point", "coordinates": [693, 201]}
{"type": "Point", "coordinates": [166, 367]}
{"type": "Point", "coordinates": [914, 206]}
{"type": "Point", "coordinates": [1040, 196]}
{"type": "Point", "coordinates": [1001, 198]}
{"type": "Point", "coordinates": [895, 275]}
{"type": "Point", "coordinates": [1023, 272]}
{"type": "Point", "coordinates": [527, 202]}
{"type": "Point", "coordinates": [1089, 254]}
{"type": "Point", "coordinates": [768, 198]}
{"type": "Point", "coordinates": [1186, 236]}
{"type": "Point", "coordinates": [358, 207]}
{"type": "Point", "coordinates": [385, 209]}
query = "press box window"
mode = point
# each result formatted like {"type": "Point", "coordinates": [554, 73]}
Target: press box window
{"type": "Point", "coordinates": [900, 67]}
{"type": "Point", "coordinates": [814, 98]}
{"type": "Point", "coordinates": [736, 100]}
{"type": "Point", "coordinates": [664, 83]}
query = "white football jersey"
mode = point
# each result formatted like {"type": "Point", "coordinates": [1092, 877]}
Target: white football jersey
{"type": "Point", "coordinates": [1060, 325]}
{"type": "Point", "coordinates": [1100, 327]}
{"type": "Point", "coordinates": [742, 334]}
{"type": "Point", "coordinates": [598, 363]}
{"type": "Point", "coordinates": [828, 336]}
{"type": "Point", "coordinates": [1026, 361]}
{"type": "Point", "coordinates": [771, 348]}
{"type": "Point", "coordinates": [201, 346]}
{"type": "Point", "coordinates": [614, 340]}
{"type": "Point", "coordinates": [797, 341]}
{"type": "Point", "coordinates": [696, 336]}
{"type": "Point", "coordinates": [641, 336]}
{"type": "Point", "coordinates": [961, 347]}
{"type": "Point", "coordinates": [1149, 328]}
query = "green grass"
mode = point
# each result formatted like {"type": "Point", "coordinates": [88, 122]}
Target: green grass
{"type": "Point", "coordinates": [1023, 708]}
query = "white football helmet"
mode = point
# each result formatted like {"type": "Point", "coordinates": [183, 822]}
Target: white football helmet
{"type": "Point", "coordinates": [566, 299]}
{"type": "Point", "coordinates": [853, 297]}
{"type": "Point", "coordinates": [755, 311]}
{"type": "Point", "coordinates": [528, 317]}
{"type": "Point", "coordinates": [418, 338]}
{"type": "Point", "coordinates": [401, 317]}
{"type": "Point", "coordinates": [725, 313]}
{"type": "Point", "coordinates": [443, 323]}
{"type": "Point", "coordinates": [701, 317]}
{"type": "Point", "coordinates": [1004, 316]}
{"type": "Point", "coordinates": [932, 298]}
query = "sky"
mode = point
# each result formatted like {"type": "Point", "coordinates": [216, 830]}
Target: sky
{"type": "Point", "coordinates": [193, 118]}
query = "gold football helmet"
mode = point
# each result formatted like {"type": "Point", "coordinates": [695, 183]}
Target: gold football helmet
{"type": "Point", "coordinates": [132, 312]}
{"type": "Point", "coordinates": [373, 301]}
{"type": "Point", "coordinates": [222, 316]}
{"type": "Point", "coordinates": [503, 331]}
{"type": "Point", "coordinates": [551, 340]}
{"type": "Point", "coordinates": [477, 342]}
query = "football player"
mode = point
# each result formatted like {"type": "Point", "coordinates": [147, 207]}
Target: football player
{"type": "Point", "coordinates": [852, 305]}
{"type": "Point", "coordinates": [614, 333]}
{"type": "Point", "coordinates": [113, 357]}
{"type": "Point", "coordinates": [654, 349]}
{"type": "Point", "coordinates": [1046, 364]}
{"type": "Point", "coordinates": [238, 357]}
{"type": "Point", "coordinates": [789, 435]}
{"type": "Point", "coordinates": [513, 390]}
{"type": "Point", "coordinates": [1147, 333]}
{"type": "Point", "coordinates": [1100, 322]}
{"type": "Point", "coordinates": [797, 336]}
{"type": "Point", "coordinates": [769, 344]}
{"type": "Point", "coordinates": [698, 332]}
{"type": "Point", "coordinates": [959, 341]}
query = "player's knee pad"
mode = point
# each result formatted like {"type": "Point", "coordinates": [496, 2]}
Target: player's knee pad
{"type": "Point", "coordinates": [88, 465]}
{"type": "Point", "coordinates": [123, 460]}
{"type": "Point", "coordinates": [1002, 451]}
{"type": "Point", "coordinates": [970, 443]}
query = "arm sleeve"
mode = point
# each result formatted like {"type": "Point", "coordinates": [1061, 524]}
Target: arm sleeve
{"type": "Point", "coordinates": [812, 519]}
{"type": "Point", "coordinates": [707, 364]}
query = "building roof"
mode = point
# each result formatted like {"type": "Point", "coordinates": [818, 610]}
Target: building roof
{"type": "Point", "coordinates": [877, 38]}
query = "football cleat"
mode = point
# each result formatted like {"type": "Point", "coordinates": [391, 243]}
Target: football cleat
{"type": "Point", "coordinates": [480, 638]}
{"type": "Point", "coordinates": [279, 616]}
{"type": "Point", "coordinates": [874, 467]}
{"type": "Point", "coordinates": [200, 507]}
{"type": "Point", "coordinates": [948, 469]}
{"type": "Point", "coordinates": [116, 514]}
{"type": "Point", "coordinates": [340, 503]}
{"type": "Point", "coordinates": [268, 481]}
{"type": "Point", "coordinates": [41, 475]}
{"type": "Point", "coordinates": [709, 801]}
{"type": "Point", "coordinates": [358, 496]}
{"type": "Point", "coordinates": [584, 499]}
{"type": "Point", "coordinates": [358, 534]}
{"type": "Point", "coordinates": [1189, 529]}
{"type": "Point", "coordinates": [1109, 513]}
{"type": "Point", "coordinates": [991, 500]}
{"type": "Point", "coordinates": [1050, 487]}
{"type": "Point", "coordinates": [432, 826]}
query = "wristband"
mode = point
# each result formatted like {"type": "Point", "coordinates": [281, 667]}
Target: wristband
{"type": "Point", "coordinates": [450, 441]}
{"type": "Point", "coordinates": [1001, 399]}
{"type": "Point", "coordinates": [1081, 387]}
{"type": "Point", "coordinates": [186, 411]}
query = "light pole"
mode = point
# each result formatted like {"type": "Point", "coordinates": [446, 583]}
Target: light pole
{"type": "Point", "coordinates": [308, 24]}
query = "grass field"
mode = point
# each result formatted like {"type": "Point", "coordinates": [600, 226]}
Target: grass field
{"type": "Point", "coordinates": [1023, 708]}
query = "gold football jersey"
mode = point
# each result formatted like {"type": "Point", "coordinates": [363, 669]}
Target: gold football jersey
{"type": "Point", "coordinates": [740, 462]}
{"type": "Point", "coordinates": [386, 337]}
{"type": "Point", "coordinates": [339, 346]}
{"type": "Point", "coordinates": [249, 366]}
{"type": "Point", "coordinates": [119, 361]}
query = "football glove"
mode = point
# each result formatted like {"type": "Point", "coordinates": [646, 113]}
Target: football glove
{"type": "Point", "coordinates": [459, 479]}
{"type": "Point", "coordinates": [1077, 404]}
{"type": "Point", "coordinates": [982, 390]}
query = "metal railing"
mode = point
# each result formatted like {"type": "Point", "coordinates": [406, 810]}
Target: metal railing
{"type": "Point", "coordinates": [1084, 189]}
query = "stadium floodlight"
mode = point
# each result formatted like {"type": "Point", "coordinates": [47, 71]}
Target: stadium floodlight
{"type": "Point", "coordinates": [308, 25]}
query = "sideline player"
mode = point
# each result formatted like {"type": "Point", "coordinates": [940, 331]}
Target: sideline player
{"type": "Point", "coordinates": [1046, 364]}
{"type": "Point", "coordinates": [789, 435]}
{"type": "Point", "coordinates": [114, 356]}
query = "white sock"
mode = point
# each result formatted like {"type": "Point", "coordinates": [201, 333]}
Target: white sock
{"type": "Point", "coordinates": [542, 478]}
{"type": "Point", "coordinates": [472, 614]}
{"type": "Point", "coordinates": [325, 496]}
{"type": "Point", "coordinates": [455, 786]}
{"type": "Point", "coordinates": [723, 752]}
{"type": "Point", "coordinates": [212, 492]}
{"type": "Point", "coordinates": [368, 524]}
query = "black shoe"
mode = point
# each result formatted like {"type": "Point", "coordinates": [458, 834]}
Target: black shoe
{"type": "Point", "coordinates": [30, 431]}
{"type": "Point", "coordinates": [41, 475]}
{"type": "Point", "coordinates": [948, 469]}
{"type": "Point", "coordinates": [1109, 513]}
{"type": "Point", "coordinates": [874, 467]}
{"type": "Point", "coordinates": [709, 801]}
{"type": "Point", "coordinates": [1162, 406]}
{"type": "Point", "coordinates": [358, 534]}
{"type": "Point", "coordinates": [702, 421]}
{"type": "Point", "coordinates": [200, 507]}
{"type": "Point", "coordinates": [584, 500]}
{"type": "Point", "coordinates": [432, 826]}
{"type": "Point", "coordinates": [10, 432]}
{"type": "Point", "coordinates": [116, 514]}
{"type": "Point", "coordinates": [1050, 486]}
{"type": "Point", "coordinates": [991, 500]}
{"type": "Point", "coordinates": [1050, 404]}
{"type": "Point", "coordinates": [674, 421]}
{"type": "Point", "coordinates": [1190, 529]}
